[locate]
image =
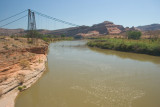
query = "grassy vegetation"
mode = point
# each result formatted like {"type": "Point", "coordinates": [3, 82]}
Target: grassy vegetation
{"type": "Point", "coordinates": [145, 46]}
{"type": "Point", "coordinates": [33, 36]}
{"type": "Point", "coordinates": [56, 39]}
{"type": "Point", "coordinates": [51, 37]}
{"type": "Point", "coordinates": [47, 37]}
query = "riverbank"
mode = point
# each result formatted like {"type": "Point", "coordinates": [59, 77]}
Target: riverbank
{"type": "Point", "coordinates": [144, 46]}
{"type": "Point", "coordinates": [53, 39]}
{"type": "Point", "coordinates": [21, 65]}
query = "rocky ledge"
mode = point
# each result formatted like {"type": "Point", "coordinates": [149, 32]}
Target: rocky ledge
{"type": "Point", "coordinates": [19, 69]}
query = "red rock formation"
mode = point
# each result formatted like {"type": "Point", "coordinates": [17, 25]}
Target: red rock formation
{"type": "Point", "coordinates": [90, 33]}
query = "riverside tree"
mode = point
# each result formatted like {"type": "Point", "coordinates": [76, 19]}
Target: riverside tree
{"type": "Point", "coordinates": [134, 34]}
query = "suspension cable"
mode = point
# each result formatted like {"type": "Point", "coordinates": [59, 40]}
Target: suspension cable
{"type": "Point", "coordinates": [13, 21]}
{"type": "Point", "coordinates": [13, 16]}
{"type": "Point", "coordinates": [55, 19]}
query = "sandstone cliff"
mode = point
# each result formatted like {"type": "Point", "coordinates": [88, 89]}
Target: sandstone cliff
{"type": "Point", "coordinates": [21, 64]}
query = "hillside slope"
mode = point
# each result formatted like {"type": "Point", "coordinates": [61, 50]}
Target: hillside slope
{"type": "Point", "coordinates": [149, 27]}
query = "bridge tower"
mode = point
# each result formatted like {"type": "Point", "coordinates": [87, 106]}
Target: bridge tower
{"type": "Point", "coordinates": [31, 34]}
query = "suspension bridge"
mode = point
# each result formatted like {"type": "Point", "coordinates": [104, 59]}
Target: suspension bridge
{"type": "Point", "coordinates": [31, 20]}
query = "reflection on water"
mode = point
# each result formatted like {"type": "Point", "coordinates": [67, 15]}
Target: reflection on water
{"type": "Point", "coordinates": [134, 56]}
{"type": "Point", "coordinates": [79, 76]}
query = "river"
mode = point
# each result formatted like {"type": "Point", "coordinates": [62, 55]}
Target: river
{"type": "Point", "coordinates": [79, 76]}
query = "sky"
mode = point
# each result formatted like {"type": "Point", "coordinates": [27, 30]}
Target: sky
{"type": "Point", "coordinates": [83, 12]}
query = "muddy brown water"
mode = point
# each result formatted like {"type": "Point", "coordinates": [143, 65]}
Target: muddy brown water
{"type": "Point", "coordinates": [79, 76]}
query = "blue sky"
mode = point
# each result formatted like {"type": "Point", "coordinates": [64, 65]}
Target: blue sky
{"type": "Point", "coordinates": [84, 12]}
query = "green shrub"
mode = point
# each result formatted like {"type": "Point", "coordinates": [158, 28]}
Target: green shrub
{"type": "Point", "coordinates": [134, 34]}
{"type": "Point", "coordinates": [45, 39]}
{"type": "Point", "coordinates": [24, 86]}
{"type": "Point", "coordinates": [63, 35]}
{"type": "Point", "coordinates": [20, 88]}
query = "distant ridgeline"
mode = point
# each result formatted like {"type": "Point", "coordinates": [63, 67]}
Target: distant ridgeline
{"type": "Point", "coordinates": [105, 28]}
{"type": "Point", "coordinates": [149, 27]}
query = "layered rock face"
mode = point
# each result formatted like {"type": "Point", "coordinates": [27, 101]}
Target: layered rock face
{"type": "Point", "coordinates": [18, 57]}
{"type": "Point", "coordinates": [107, 28]}
{"type": "Point", "coordinates": [21, 64]}
{"type": "Point", "coordinates": [104, 28]}
{"type": "Point", "coordinates": [13, 51]}
{"type": "Point", "coordinates": [101, 28]}
{"type": "Point", "coordinates": [90, 33]}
